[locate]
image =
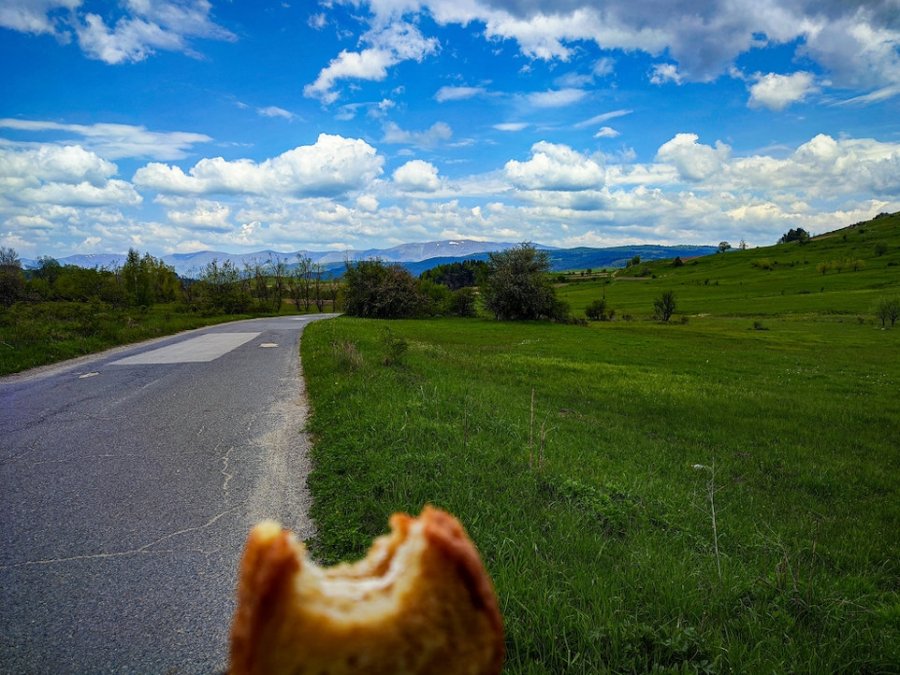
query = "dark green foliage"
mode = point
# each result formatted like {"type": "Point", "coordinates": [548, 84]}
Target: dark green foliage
{"type": "Point", "coordinates": [462, 303]}
{"type": "Point", "coordinates": [378, 291]}
{"type": "Point", "coordinates": [881, 248]}
{"type": "Point", "coordinates": [458, 274]}
{"type": "Point", "coordinates": [798, 234]}
{"type": "Point", "coordinates": [888, 310]}
{"type": "Point", "coordinates": [518, 287]}
{"type": "Point", "coordinates": [599, 310]}
{"type": "Point", "coordinates": [678, 262]}
{"type": "Point", "coordinates": [664, 306]}
{"type": "Point", "coordinates": [11, 278]}
{"type": "Point", "coordinates": [724, 246]}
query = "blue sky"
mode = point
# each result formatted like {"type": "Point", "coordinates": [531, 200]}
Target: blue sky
{"type": "Point", "coordinates": [238, 126]}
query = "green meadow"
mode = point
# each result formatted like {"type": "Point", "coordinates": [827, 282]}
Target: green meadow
{"type": "Point", "coordinates": [719, 495]}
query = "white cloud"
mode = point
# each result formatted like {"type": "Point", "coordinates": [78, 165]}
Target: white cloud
{"type": "Point", "coordinates": [332, 166]}
{"type": "Point", "coordinates": [390, 45]}
{"type": "Point", "coordinates": [275, 111]}
{"type": "Point", "coordinates": [603, 117]}
{"type": "Point", "coordinates": [148, 26]}
{"type": "Point", "coordinates": [694, 161]}
{"type": "Point", "coordinates": [435, 134]}
{"type": "Point", "coordinates": [61, 175]}
{"type": "Point", "coordinates": [665, 72]}
{"type": "Point", "coordinates": [556, 98]}
{"type": "Point", "coordinates": [203, 216]}
{"type": "Point", "coordinates": [417, 176]}
{"type": "Point", "coordinates": [776, 92]}
{"type": "Point", "coordinates": [857, 40]}
{"type": "Point", "coordinates": [606, 132]}
{"type": "Point", "coordinates": [511, 126]}
{"type": "Point", "coordinates": [34, 16]}
{"type": "Point", "coordinates": [118, 140]}
{"type": "Point", "coordinates": [458, 93]}
{"type": "Point", "coordinates": [554, 167]}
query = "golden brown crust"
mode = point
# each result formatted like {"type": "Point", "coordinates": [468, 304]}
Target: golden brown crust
{"type": "Point", "coordinates": [420, 602]}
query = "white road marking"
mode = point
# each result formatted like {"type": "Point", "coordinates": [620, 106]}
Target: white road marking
{"type": "Point", "coordinates": [196, 350]}
{"type": "Point", "coordinates": [269, 344]}
{"type": "Point", "coordinates": [87, 375]}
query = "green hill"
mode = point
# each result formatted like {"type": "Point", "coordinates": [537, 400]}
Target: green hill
{"type": "Point", "coordinates": [844, 272]}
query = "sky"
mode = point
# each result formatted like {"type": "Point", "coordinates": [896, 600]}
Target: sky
{"type": "Point", "coordinates": [186, 125]}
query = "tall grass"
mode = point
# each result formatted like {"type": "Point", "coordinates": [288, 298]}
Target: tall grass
{"type": "Point", "coordinates": [602, 553]}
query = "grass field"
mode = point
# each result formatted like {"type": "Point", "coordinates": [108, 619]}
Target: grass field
{"type": "Point", "coordinates": [770, 281]}
{"type": "Point", "coordinates": [593, 520]}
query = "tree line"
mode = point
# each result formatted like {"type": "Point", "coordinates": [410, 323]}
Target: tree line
{"type": "Point", "coordinates": [143, 281]}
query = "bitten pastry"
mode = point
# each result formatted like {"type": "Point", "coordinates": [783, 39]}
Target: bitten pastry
{"type": "Point", "coordinates": [419, 602]}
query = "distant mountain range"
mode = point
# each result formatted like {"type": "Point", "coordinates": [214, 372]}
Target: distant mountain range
{"type": "Point", "coordinates": [416, 257]}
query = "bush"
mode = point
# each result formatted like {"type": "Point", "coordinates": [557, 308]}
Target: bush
{"type": "Point", "coordinates": [599, 311]}
{"type": "Point", "coordinates": [888, 309]}
{"type": "Point", "coordinates": [518, 286]}
{"type": "Point", "coordinates": [462, 303]}
{"type": "Point", "coordinates": [881, 248]}
{"type": "Point", "coordinates": [664, 306]}
{"type": "Point", "coordinates": [375, 290]}
{"type": "Point", "coordinates": [799, 235]}
{"type": "Point", "coordinates": [395, 349]}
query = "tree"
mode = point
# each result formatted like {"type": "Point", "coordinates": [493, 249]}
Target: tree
{"type": "Point", "coordinates": [11, 278]}
{"type": "Point", "coordinates": [799, 235]}
{"type": "Point", "coordinates": [518, 286]}
{"type": "Point", "coordinates": [598, 310]}
{"type": "Point", "coordinates": [375, 290]}
{"type": "Point", "coordinates": [888, 309]}
{"type": "Point", "coordinates": [678, 262]}
{"type": "Point", "coordinates": [743, 245]}
{"type": "Point", "coordinates": [724, 246]}
{"type": "Point", "coordinates": [664, 306]}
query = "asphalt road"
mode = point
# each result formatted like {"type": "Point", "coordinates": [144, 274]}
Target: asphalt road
{"type": "Point", "coordinates": [128, 483]}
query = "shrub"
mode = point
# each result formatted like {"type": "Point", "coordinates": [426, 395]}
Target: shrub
{"type": "Point", "coordinates": [664, 306]}
{"type": "Point", "coordinates": [881, 248]}
{"type": "Point", "coordinates": [799, 235]}
{"type": "Point", "coordinates": [375, 290]}
{"type": "Point", "coordinates": [518, 286]}
{"type": "Point", "coordinates": [599, 311]}
{"type": "Point", "coordinates": [462, 303]}
{"type": "Point", "coordinates": [888, 309]}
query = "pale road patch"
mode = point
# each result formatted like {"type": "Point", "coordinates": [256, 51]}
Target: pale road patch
{"type": "Point", "coordinates": [196, 350]}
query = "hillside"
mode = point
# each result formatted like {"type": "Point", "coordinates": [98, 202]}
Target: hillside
{"type": "Point", "coordinates": [840, 272]}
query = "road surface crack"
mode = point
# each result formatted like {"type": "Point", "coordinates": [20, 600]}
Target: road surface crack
{"type": "Point", "coordinates": [143, 550]}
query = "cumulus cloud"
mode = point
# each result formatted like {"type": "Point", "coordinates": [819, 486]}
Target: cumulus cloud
{"type": "Point", "coordinates": [389, 45]}
{"type": "Point", "coordinates": [777, 92]}
{"type": "Point", "coordinates": [554, 167]}
{"type": "Point", "coordinates": [62, 175]}
{"type": "Point", "coordinates": [333, 165]}
{"type": "Point", "coordinates": [857, 40]}
{"type": "Point", "coordinates": [606, 132]}
{"type": "Point", "coordinates": [417, 176]}
{"type": "Point", "coordinates": [118, 140]}
{"type": "Point", "coordinates": [435, 134]}
{"type": "Point", "coordinates": [149, 25]}
{"type": "Point", "coordinates": [694, 161]}
{"type": "Point", "coordinates": [665, 72]}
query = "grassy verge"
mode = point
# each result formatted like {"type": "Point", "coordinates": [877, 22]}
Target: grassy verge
{"type": "Point", "coordinates": [37, 334]}
{"type": "Point", "coordinates": [592, 520]}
